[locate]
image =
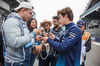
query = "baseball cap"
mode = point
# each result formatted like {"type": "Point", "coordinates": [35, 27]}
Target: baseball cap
{"type": "Point", "coordinates": [80, 23]}
{"type": "Point", "coordinates": [24, 5]}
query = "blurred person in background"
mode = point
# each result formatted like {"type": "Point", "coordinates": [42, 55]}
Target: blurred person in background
{"type": "Point", "coordinates": [1, 50]}
{"type": "Point", "coordinates": [86, 42]}
{"type": "Point", "coordinates": [50, 60]}
{"type": "Point", "coordinates": [57, 31]}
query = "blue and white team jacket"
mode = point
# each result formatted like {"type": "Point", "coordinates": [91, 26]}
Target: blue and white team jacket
{"type": "Point", "coordinates": [70, 46]}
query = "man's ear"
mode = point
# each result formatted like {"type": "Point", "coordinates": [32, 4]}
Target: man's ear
{"type": "Point", "coordinates": [23, 10]}
{"type": "Point", "coordinates": [66, 16]}
{"type": "Point", "coordinates": [84, 27]}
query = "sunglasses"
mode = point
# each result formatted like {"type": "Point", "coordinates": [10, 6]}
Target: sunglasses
{"type": "Point", "coordinates": [54, 21]}
{"type": "Point", "coordinates": [45, 25]}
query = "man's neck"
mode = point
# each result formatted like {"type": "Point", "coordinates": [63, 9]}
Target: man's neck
{"type": "Point", "coordinates": [57, 28]}
{"type": "Point", "coordinates": [20, 15]}
{"type": "Point", "coordinates": [46, 30]}
{"type": "Point", "coordinates": [68, 22]}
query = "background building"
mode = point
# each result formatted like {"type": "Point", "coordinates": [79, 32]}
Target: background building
{"type": "Point", "coordinates": [91, 16]}
{"type": "Point", "coordinates": [7, 6]}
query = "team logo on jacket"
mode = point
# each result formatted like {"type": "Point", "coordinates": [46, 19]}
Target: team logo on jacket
{"type": "Point", "coordinates": [72, 35]}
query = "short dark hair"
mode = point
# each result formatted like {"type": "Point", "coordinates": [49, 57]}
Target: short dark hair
{"type": "Point", "coordinates": [67, 11]}
{"type": "Point", "coordinates": [55, 17]}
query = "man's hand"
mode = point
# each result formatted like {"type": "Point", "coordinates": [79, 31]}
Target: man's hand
{"type": "Point", "coordinates": [36, 31]}
{"type": "Point", "coordinates": [45, 39]}
{"type": "Point", "coordinates": [51, 36]}
{"type": "Point", "coordinates": [39, 38]}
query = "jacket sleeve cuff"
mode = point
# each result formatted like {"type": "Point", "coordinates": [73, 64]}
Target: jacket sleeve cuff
{"type": "Point", "coordinates": [49, 40]}
{"type": "Point", "coordinates": [34, 34]}
{"type": "Point", "coordinates": [55, 39]}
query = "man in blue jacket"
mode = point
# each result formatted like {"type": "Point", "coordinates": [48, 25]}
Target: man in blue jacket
{"type": "Point", "coordinates": [69, 47]}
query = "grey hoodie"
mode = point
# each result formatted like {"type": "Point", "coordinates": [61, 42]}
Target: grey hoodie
{"type": "Point", "coordinates": [14, 40]}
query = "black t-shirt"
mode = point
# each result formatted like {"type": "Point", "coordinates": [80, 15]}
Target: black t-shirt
{"type": "Point", "coordinates": [1, 49]}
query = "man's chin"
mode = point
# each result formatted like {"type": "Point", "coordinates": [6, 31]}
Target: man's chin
{"type": "Point", "coordinates": [54, 26]}
{"type": "Point", "coordinates": [26, 20]}
{"type": "Point", "coordinates": [62, 25]}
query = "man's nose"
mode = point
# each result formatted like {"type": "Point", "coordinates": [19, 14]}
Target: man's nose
{"type": "Point", "coordinates": [59, 20]}
{"type": "Point", "coordinates": [30, 16]}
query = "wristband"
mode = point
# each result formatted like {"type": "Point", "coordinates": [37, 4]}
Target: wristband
{"type": "Point", "coordinates": [34, 34]}
{"type": "Point", "coordinates": [35, 37]}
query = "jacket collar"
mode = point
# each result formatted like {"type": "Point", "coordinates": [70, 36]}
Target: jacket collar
{"type": "Point", "coordinates": [69, 25]}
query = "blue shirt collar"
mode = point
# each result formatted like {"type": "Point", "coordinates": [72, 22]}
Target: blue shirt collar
{"type": "Point", "coordinates": [69, 25]}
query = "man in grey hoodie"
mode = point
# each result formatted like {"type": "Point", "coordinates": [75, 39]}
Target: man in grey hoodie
{"type": "Point", "coordinates": [18, 42]}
